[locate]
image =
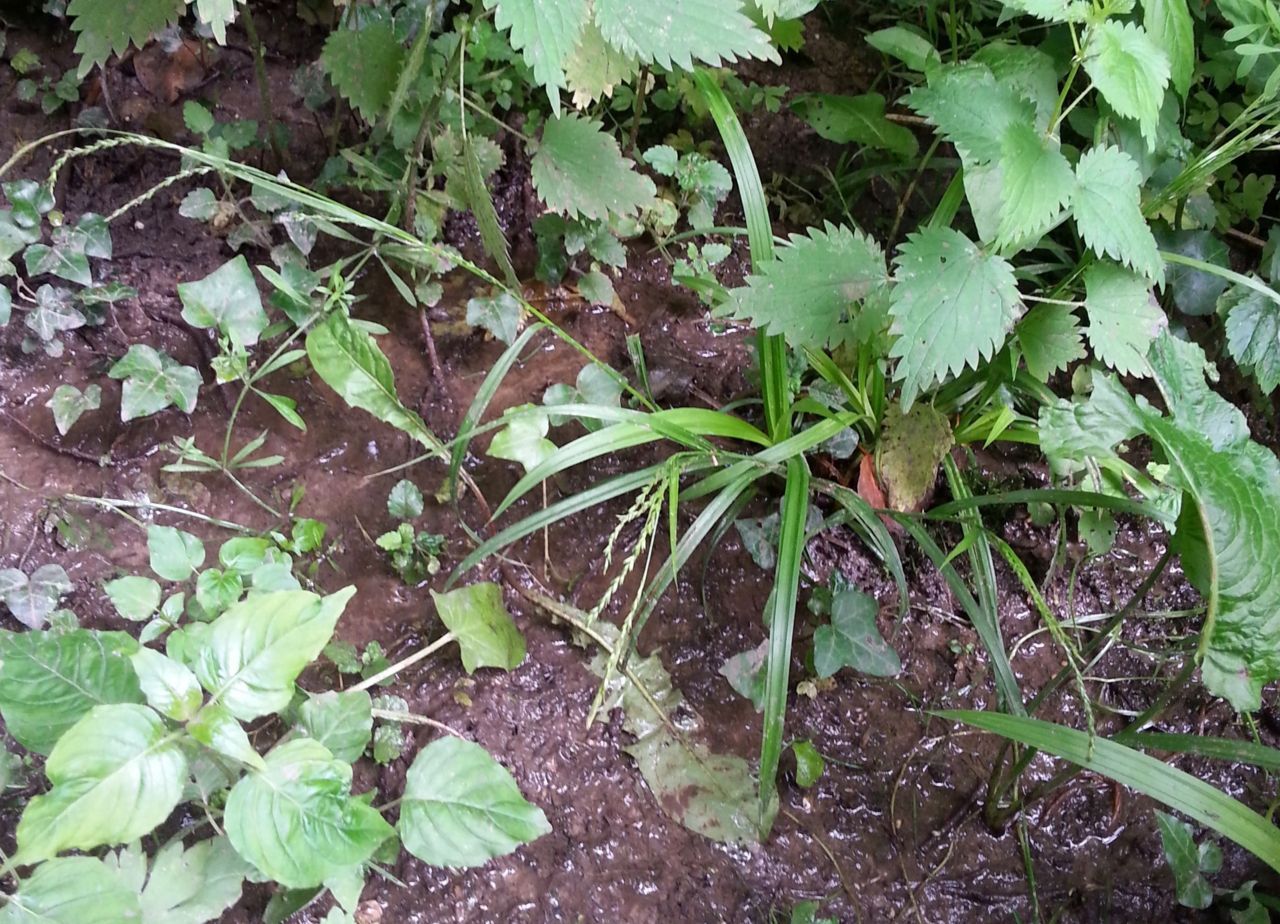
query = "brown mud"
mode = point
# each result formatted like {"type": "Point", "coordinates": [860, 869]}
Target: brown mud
{"type": "Point", "coordinates": [892, 831]}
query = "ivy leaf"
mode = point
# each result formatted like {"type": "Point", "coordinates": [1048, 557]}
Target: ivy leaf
{"type": "Point", "coordinates": [675, 33]}
{"type": "Point", "coordinates": [49, 681]}
{"type": "Point", "coordinates": [296, 821]}
{"type": "Point", "coordinates": [579, 170]}
{"type": "Point", "coordinates": [1124, 319]}
{"type": "Point", "coordinates": [53, 313]}
{"type": "Point", "coordinates": [364, 65]}
{"type": "Point", "coordinates": [1050, 339]}
{"type": "Point", "coordinates": [952, 305]}
{"type": "Point", "coordinates": [855, 120]}
{"type": "Point", "coordinates": [153, 381]}
{"type": "Point", "coordinates": [484, 630]}
{"type": "Point", "coordinates": [972, 110]}
{"type": "Point", "coordinates": [805, 293]}
{"type": "Point", "coordinates": [1037, 183]}
{"type": "Point", "coordinates": [227, 300]}
{"type": "Point", "coordinates": [853, 640]}
{"type": "Point", "coordinates": [135, 598]}
{"type": "Point", "coordinates": [251, 654]}
{"type": "Point", "coordinates": [1194, 890]}
{"type": "Point", "coordinates": [342, 722]}
{"type": "Point", "coordinates": [200, 204]}
{"type": "Point", "coordinates": [72, 890]}
{"type": "Point", "coordinates": [174, 553]}
{"type": "Point", "coordinates": [65, 259]}
{"type": "Point", "coordinates": [462, 808]}
{"type": "Point", "coordinates": [109, 28]}
{"type": "Point", "coordinates": [170, 688]}
{"type": "Point", "coordinates": [32, 599]}
{"type": "Point", "coordinates": [1130, 71]}
{"type": "Point", "coordinates": [193, 885]}
{"type": "Point", "coordinates": [69, 403]}
{"type": "Point", "coordinates": [1170, 26]}
{"type": "Point", "coordinates": [1108, 212]}
{"type": "Point", "coordinates": [498, 314]}
{"type": "Point", "coordinates": [746, 671]}
{"type": "Point", "coordinates": [546, 33]}
{"type": "Point", "coordinates": [405, 500]}
{"type": "Point", "coordinates": [116, 774]}
{"type": "Point", "coordinates": [524, 439]}
{"type": "Point", "coordinates": [1253, 334]}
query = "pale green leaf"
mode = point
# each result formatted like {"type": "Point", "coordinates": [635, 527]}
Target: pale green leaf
{"type": "Point", "coordinates": [49, 681]}
{"type": "Point", "coordinates": [252, 653]}
{"type": "Point", "coordinates": [217, 729]}
{"type": "Point", "coordinates": [597, 288]}
{"type": "Point", "coordinates": [175, 554]}
{"type": "Point", "coordinates": [1108, 213]}
{"type": "Point", "coordinates": [857, 120]}
{"type": "Point", "coordinates": [1130, 71]}
{"type": "Point", "coordinates": [364, 65]}
{"type": "Point", "coordinates": [1124, 317]}
{"type": "Point", "coordinates": [405, 500]}
{"type": "Point", "coordinates": [53, 313]}
{"type": "Point", "coordinates": [193, 885]}
{"type": "Point", "coordinates": [908, 46]}
{"type": "Point", "coordinates": [216, 590]}
{"type": "Point", "coordinates": [109, 28]}
{"type": "Point", "coordinates": [1194, 891]}
{"type": "Point", "coordinates": [32, 599]}
{"type": "Point", "coordinates": [545, 32]}
{"type": "Point", "coordinates": [1253, 334]}
{"type": "Point", "coordinates": [153, 381]}
{"type": "Point", "coordinates": [297, 822]}
{"type": "Point", "coordinates": [482, 626]}
{"type": "Point", "coordinates": [135, 597]}
{"type": "Point", "coordinates": [200, 204]}
{"type": "Point", "coordinates": [911, 447]}
{"type": "Point", "coordinates": [1081, 429]}
{"type": "Point", "coordinates": [217, 15]}
{"type": "Point", "coordinates": [1170, 26]}
{"type": "Point", "coordinates": [676, 33]}
{"type": "Point", "coordinates": [72, 890]}
{"type": "Point", "coordinates": [1050, 339]}
{"type": "Point", "coordinates": [953, 305]}
{"type": "Point", "coordinates": [68, 403]}
{"type": "Point", "coordinates": [1028, 70]}
{"type": "Point", "coordinates": [462, 808]}
{"type": "Point", "coordinates": [66, 257]}
{"type": "Point", "coordinates": [498, 314]}
{"type": "Point", "coordinates": [578, 169]}
{"type": "Point", "coordinates": [524, 439]}
{"type": "Point", "coordinates": [595, 68]}
{"type": "Point", "coordinates": [972, 109]}
{"type": "Point", "coordinates": [342, 722]}
{"type": "Point", "coordinates": [226, 300]}
{"type": "Point", "coordinates": [807, 293]}
{"type": "Point", "coordinates": [170, 688]}
{"type": "Point", "coordinates": [853, 640]}
{"type": "Point", "coordinates": [746, 671]}
{"type": "Point", "coordinates": [116, 774]}
{"type": "Point", "coordinates": [1037, 182]}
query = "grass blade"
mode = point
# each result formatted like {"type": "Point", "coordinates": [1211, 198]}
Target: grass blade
{"type": "Point", "coordinates": [1229, 749]}
{"type": "Point", "coordinates": [1169, 785]}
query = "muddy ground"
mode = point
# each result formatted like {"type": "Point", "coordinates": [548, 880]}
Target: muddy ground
{"type": "Point", "coordinates": [892, 831]}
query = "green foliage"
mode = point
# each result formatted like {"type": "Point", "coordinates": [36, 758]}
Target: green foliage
{"type": "Point", "coordinates": [546, 32]}
{"type": "Point", "coordinates": [31, 598]}
{"type": "Point", "coordinates": [109, 28]}
{"type": "Point", "coordinates": [72, 890]}
{"type": "Point", "coordinates": [175, 555]}
{"type": "Point", "coordinates": [579, 170]}
{"type": "Point", "coordinates": [852, 639]}
{"type": "Point", "coordinates": [481, 626]}
{"type": "Point", "coordinates": [1253, 334]}
{"type": "Point", "coordinates": [364, 65]}
{"type": "Point", "coordinates": [1106, 208]}
{"type": "Point", "coordinates": [69, 404]}
{"type": "Point", "coordinates": [226, 300]}
{"type": "Point", "coordinates": [1130, 71]}
{"type": "Point", "coordinates": [153, 381]}
{"type": "Point", "coordinates": [1124, 320]}
{"type": "Point", "coordinates": [1190, 863]}
{"type": "Point", "coordinates": [855, 119]}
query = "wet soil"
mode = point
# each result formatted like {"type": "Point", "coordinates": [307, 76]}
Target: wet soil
{"type": "Point", "coordinates": [893, 829]}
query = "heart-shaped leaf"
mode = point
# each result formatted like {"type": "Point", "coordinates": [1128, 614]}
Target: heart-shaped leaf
{"type": "Point", "coordinates": [853, 640]}
{"type": "Point", "coordinates": [175, 554]}
{"type": "Point", "coordinates": [342, 722]}
{"type": "Point", "coordinates": [153, 381]}
{"type": "Point", "coordinates": [483, 627]}
{"type": "Point", "coordinates": [227, 300]}
{"type": "Point", "coordinates": [170, 688]}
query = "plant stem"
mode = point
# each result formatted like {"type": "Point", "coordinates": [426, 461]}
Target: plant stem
{"type": "Point", "coordinates": [406, 662]}
{"type": "Point", "coordinates": [119, 506]}
{"type": "Point", "coordinates": [412, 718]}
{"type": "Point", "coordinates": [264, 88]}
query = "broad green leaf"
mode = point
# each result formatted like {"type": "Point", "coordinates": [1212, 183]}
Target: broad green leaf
{"type": "Point", "coordinates": [175, 554]}
{"type": "Point", "coordinates": [1108, 213]}
{"type": "Point", "coordinates": [405, 500]}
{"type": "Point", "coordinates": [595, 68]}
{"type": "Point", "coordinates": [498, 314]}
{"type": "Point", "coordinates": [32, 599]}
{"type": "Point", "coordinates": [1176, 837]}
{"type": "Point", "coordinates": [809, 763]}
{"type": "Point", "coordinates": [909, 47]}
{"type": "Point", "coordinates": [49, 681]}
{"type": "Point", "coordinates": [116, 774]}
{"type": "Point", "coordinates": [972, 109]}
{"type": "Point", "coordinates": [1169, 24]}
{"type": "Point", "coordinates": [252, 653]}
{"type": "Point", "coordinates": [226, 300]}
{"type": "Point", "coordinates": [545, 32]}
{"type": "Point", "coordinates": [350, 363]}
{"type": "Point", "coordinates": [342, 722]}
{"type": "Point", "coordinates": [72, 890]}
{"type": "Point", "coordinates": [578, 169]}
{"type": "Point", "coordinates": [1037, 182]}
{"type": "Point", "coordinates": [109, 28]}
{"type": "Point", "coordinates": [153, 381]}
{"type": "Point", "coordinates": [1129, 70]}
{"type": "Point", "coordinates": [524, 439]}
{"type": "Point", "coordinates": [676, 33]}
{"type": "Point", "coordinates": [364, 65]}
{"type": "Point", "coordinates": [482, 626]}
{"type": "Point", "coordinates": [597, 288]}
{"type": "Point", "coordinates": [246, 554]}
{"type": "Point", "coordinates": [68, 403]}
{"type": "Point", "coordinates": [193, 885]}
{"type": "Point", "coordinates": [1234, 484]}
{"type": "Point", "coordinates": [745, 672]}
{"type": "Point", "coordinates": [911, 447]}
{"type": "Point", "coordinates": [217, 15]}
{"type": "Point", "coordinates": [217, 729]}
{"type": "Point", "coordinates": [1124, 317]}
{"type": "Point", "coordinates": [135, 598]}
{"type": "Point", "coordinates": [1052, 10]}
{"type": "Point", "coordinates": [1050, 339]}
{"type": "Point", "coordinates": [297, 822]}
{"type": "Point", "coordinates": [853, 640]}
{"type": "Point", "coordinates": [1162, 782]}
{"type": "Point", "coordinates": [200, 204]}
{"type": "Point", "coordinates": [170, 688]}
{"type": "Point", "coordinates": [1253, 334]}
{"type": "Point", "coordinates": [806, 294]}
{"type": "Point", "coordinates": [216, 590]}
{"type": "Point", "coordinates": [462, 808]}
{"type": "Point", "coordinates": [855, 119]}
{"type": "Point", "coordinates": [953, 305]}
{"type": "Point", "coordinates": [1027, 70]}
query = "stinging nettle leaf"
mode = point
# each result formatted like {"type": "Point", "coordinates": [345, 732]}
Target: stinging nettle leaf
{"type": "Point", "coordinates": [595, 68]}
{"type": "Point", "coordinates": [1037, 182]}
{"type": "Point", "coordinates": [1108, 212]}
{"type": "Point", "coordinates": [1170, 26]}
{"type": "Point", "coordinates": [1124, 318]}
{"type": "Point", "coordinates": [546, 33]}
{"type": "Point", "coordinates": [462, 808]}
{"type": "Point", "coordinates": [1253, 334]}
{"type": "Point", "coordinates": [109, 28]}
{"type": "Point", "coordinates": [972, 109]}
{"type": "Point", "coordinates": [364, 64]}
{"type": "Point", "coordinates": [1130, 71]}
{"type": "Point", "coordinates": [806, 293]}
{"type": "Point", "coordinates": [1051, 340]}
{"type": "Point", "coordinates": [675, 33]}
{"type": "Point", "coordinates": [578, 169]}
